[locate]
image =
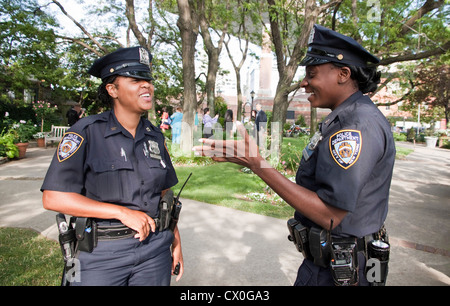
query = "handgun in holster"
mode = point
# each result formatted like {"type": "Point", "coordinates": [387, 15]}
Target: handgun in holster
{"type": "Point", "coordinates": [66, 237]}
{"type": "Point", "coordinates": [67, 241]}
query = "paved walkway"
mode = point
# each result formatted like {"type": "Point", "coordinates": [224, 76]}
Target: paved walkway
{"type": "Point", "coordinates": [222, 246]}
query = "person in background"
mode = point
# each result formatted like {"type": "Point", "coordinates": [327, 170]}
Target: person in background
{"type": "Point", "coordinates": [165, 121]}
{"type": "Point", "coordinates": [208, 123]}
{"type": "Point", "coordinates": [261, 124]}
{"type": "Point", "coordinates": [230, 127]}
{"type": "Point", "coordinates": [74, 114]}
{"type": "Point", "coordinates": [175, 120]}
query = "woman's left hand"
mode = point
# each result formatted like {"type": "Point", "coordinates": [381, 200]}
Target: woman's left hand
{"type": "Point", "coordinates": [177, 254]}
{"type": "Point", "coordinates": [243, 152]}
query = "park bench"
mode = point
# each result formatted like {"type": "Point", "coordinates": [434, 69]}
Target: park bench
{"type": "Point", "coordinates": [55, 134]}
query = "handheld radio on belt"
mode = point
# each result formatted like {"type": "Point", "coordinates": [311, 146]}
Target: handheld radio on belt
{"type": "Point", "coordinates": [169, 209]}
{"type": "Point", "coordinates": [175, 214]}
{"type": "Point", "coordinates": [177, 206]}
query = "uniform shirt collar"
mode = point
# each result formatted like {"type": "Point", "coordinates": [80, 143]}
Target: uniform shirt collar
{"type": "Point", "coordinates": [115, 127]}
{"type": "Point", "coordinates": [334, 115]}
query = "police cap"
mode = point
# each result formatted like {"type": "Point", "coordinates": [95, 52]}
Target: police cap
{"type": "Point", "coordinates": [326, 45]}
{"type": "Point", "coordinates": [132, 62]}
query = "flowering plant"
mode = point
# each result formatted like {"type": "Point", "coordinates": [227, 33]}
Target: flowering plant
{"type": "Point", "coordinates": [42, 109]}
{"type": "Point", "coordinates": [40, 135]}
{"type": "Point", "coordinates": [23, 131]}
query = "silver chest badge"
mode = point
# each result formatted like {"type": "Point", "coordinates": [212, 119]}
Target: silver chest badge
{"type": "Point", "coordinates": [153, 149]}
{"type": "Point", "coordinates": [312, 145]}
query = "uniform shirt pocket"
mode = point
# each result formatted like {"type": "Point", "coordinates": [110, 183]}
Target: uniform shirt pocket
{"type": "Point", "coordinates": [306, 172]}
{"type": "Point", "coordinates": [155, 174]}
{"type": "Point", "coordinates": [111, 180]}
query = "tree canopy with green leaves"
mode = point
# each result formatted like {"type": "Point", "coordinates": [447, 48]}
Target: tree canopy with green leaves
{"type": "Point", "coordinates": [404, 34]}
{"type": "Point", "coordinates": [28, 47]}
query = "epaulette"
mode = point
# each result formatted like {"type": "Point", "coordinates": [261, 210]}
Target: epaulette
{"type": "Point", "coordinates": [86, 121]}
{"type": "Point", "coordinates": [153, 127]}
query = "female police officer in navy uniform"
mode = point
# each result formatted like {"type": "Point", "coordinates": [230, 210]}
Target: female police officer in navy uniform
{"type": "Point", "coordinates": [345, 172]}
{"type": "Point", "coordinates": [113, 167]}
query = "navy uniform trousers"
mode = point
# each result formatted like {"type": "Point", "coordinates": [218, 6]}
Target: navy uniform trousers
{"type": "Point", "coordinates": [128, 262]}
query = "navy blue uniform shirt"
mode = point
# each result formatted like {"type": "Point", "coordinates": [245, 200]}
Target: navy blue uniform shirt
{"type": "Point", "coordinates": [351, 167]}
{"type": "Point", "coordinates": [98, 158]}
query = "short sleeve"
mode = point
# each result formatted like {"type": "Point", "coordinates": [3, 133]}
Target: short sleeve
{"type": "Point", "coordinates": [171, 177]}
{"type": "Point", "coordinates": [345, 164]}
{"type": "Point", "coordinates": [66, 171]}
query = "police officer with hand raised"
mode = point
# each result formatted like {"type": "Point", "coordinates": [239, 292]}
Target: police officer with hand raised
{"type": "Point", "coordinates": [342, 185]}
{"type": "Point", "coordinates": [113, 168]}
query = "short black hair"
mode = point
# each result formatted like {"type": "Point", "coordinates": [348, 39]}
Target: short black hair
{"type": "Point", "coordinates": [103, 95]}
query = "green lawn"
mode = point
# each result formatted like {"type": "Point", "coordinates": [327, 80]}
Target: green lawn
{"type": "Point", "coordinates": [230, 185]}
{"type": "Point", "coordinates": [29, 259]}
{"type": "Point", "coordinates": [402, 152]}
{"type": "Point", "coordinates": [227, 185]}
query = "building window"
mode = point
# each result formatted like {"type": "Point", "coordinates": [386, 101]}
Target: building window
{"type": "Point", "coordinates": [290, 114]}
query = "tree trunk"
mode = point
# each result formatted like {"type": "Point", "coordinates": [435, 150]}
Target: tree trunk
{"type": "Point", "coordinates": [287, 71]}
{"type": "Point", "coordinates": [210, 88]}
{"type": "Point", "coordinates": [239, 96]}
{"type": "Point", "coordinates": [188, 25]}
{"type": "Point", "coordinates": [213, 53]}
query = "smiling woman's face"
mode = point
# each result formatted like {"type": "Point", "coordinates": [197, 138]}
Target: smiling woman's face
{"type": "Point", "coordinates": [323, 82]}
{"type": "Point", "coordinates": [133, 94]}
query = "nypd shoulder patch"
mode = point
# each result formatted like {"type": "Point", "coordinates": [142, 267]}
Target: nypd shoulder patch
{"type": "Point", "coordinates": [68, 145]}
{"type": "Point", "coordinates": [345, 147]}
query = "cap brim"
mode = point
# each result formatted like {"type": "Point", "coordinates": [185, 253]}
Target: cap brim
{"type": "Point", "coordinates": [143, 75]}
{"type": "Point", "coordinates": [311, 61]}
